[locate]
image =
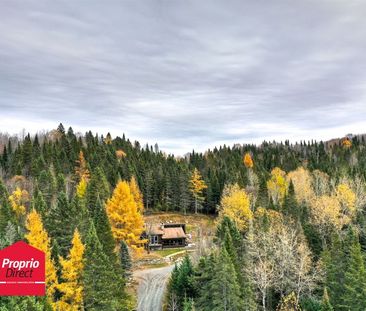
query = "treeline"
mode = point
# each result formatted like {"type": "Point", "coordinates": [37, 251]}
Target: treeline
{"type": "Point", "coordinates": [164, 179]}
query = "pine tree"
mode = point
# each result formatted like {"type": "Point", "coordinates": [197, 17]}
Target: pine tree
{"type": "Point", "coordinates": [106, 291]}
{"type": "Point", "coordinates": [326, 306]}
{"type": "Point", "coordinates": [38, 237]}
{"type": "Point", "coordinates": [71, 287]}
{"type": "Point", "coordinates": [225, 289]}
{"type": "Point", "coordinates": [47, 185]}
{"type": "Point", "coordinates": [98, 187]}
{"type": "Point", "coordinates": [188, 305]}
{"type": "Point", "coordinates": [125, 259]}
{"type": "Point", "coordinates": [290, 206]}
{"type": "Point", "coordinates": [6, 213]}
{"type": "Point", "coordinates": [185, 198]}
{"type": "Point", "coordinates": [354, 285]}
{"type": "Point", "coordinates": [335, 265]}
{"type": "Point", "coordinates": [185, 279]}
{"type": "Point", "coordinates": [39, 204]}
{"type": "Point", "coordinates": [104, 231]}
{"type": "Point", "coordinates": [203, 282]}
{"type": "Point", "coordinates": [61, 222]}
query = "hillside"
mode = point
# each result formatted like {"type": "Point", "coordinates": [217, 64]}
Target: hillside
{"type": "Point", "coordinates": [269, 225]}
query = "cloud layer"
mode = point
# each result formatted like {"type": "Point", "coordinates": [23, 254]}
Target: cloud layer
{"type": "Point", "coordinates": [187, 74]}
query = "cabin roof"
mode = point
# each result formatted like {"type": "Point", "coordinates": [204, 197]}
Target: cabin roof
{"type": "Point", "coordinates": [167, 231]}
{"type": "Point", "coordinates": [155, 230]}
{"type": "Point", "coordinates": [173, 233]}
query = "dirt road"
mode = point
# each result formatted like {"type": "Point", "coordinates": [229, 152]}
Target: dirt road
{"type": "Point", "coordinates": [152, 283]}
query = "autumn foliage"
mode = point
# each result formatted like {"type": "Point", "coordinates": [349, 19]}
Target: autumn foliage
{"type": "Point", "coordinates": [197, 185]}
{"type": "Point", "coordinates": [247, 160]}
{"type": "Point", "coordinates": [18, 199]}
{"type": "Point", "coordinates": [126, 221]}
{"type": "Point", "coordinates": [235, 204]}
{"type": "Point", "coordinates": [71, 274]}
{"type": "Point", "coordinates": [38, 237]}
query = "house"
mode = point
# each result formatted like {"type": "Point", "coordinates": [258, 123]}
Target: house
{"type": "Point", "coordinates": [165, 235]}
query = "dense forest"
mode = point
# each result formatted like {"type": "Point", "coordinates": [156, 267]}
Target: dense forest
{"type": "Point", "coordinates": [291, 222]}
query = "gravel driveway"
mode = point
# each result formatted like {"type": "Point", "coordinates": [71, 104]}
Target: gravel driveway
{"type": "Point", "coordinates": [152, 283]}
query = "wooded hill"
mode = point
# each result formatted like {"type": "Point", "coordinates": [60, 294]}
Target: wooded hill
{"type": "Point", "coordinates": [291, 220]}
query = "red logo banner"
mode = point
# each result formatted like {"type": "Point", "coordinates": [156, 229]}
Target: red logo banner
{"type": "Point", "coordinates": [22, 270]}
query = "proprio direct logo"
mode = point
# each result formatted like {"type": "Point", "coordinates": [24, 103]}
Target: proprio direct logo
{"type": "Point", "coordinates": [22, 270]}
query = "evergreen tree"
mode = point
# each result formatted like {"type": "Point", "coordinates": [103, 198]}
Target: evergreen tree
{"type": "Point", "coordinates": [103, 229]}
{"type": "Point", "coordinates": [225, 289]}
{"type": "Point", "coordinates": [61, 223]}
{"type": "Point", "coordinates": [354, 284]}
{"type": "Point", "coordinates": [103, 287]}
{"type": "Point", "coordinates": [188, 305]}
{"type": "Point", "coordinates": [125, 258]}
{"type": "Point", "coordinates": [326, 306]}
{"type": "Point", "coordinates": [98, 187]}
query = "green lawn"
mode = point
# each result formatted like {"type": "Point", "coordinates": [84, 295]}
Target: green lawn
{"type": "Point", "coordinates": [168, 251]}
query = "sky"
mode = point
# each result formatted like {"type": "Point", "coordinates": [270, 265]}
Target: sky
{"type": "Point", "coordinates": [185, 74]}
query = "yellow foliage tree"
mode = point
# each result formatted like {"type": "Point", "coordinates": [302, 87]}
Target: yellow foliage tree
{"type": "Point", "coordinates": [18, 199]}
{"type": "Point", "coordinates": [125, 219]}
{"type": "Point", "coordinates": [326, 213]}
{"type": "Point", "coordinates": [197, 185]}
{"type": "Point", "coordinates": [235, 204]}
{"type": "Point", "coordinates": [72, 268]}
{"type": "Point", "coordinates": [346, 198]}
{"type": "Point", "coordinates": [137, 195]}
{"type": "Point", "coordinates": [277, 185]}
{"type": "Point", "coordinates": [81, 169]}
{"type": "Point", "coordinates": [81, 188]}
{"type": "Point", "coordinates": [38, 237]}
{"type": "Point", "coordinates": [120, 154]}
{"type": "Point", "coordinates": [346, 143]}
{"type": "Point", "coordinates": [269, 217]}
{"type": "Point", "coordinates": [247, 160]}
{"type": "Point", "coordinates": [108, 139]}
{"type": "Point", "coordinates": [301, 180]}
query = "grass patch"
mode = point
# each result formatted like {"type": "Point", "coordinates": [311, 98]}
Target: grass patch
{"type": "Point", "coordinates": [168, 251]}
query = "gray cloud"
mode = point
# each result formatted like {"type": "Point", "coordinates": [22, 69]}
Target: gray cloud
{"type": "Point", "coordinates": [187, 74]}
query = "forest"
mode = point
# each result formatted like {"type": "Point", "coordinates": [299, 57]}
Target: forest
{"type": "Point", "coordinates": [291, 220]}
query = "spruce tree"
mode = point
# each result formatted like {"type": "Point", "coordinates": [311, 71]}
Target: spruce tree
{"type": "Point", "coordinates": [103, 229]}
{"type": "Point", "coordinates": [125, 259]}
{"type": "Point", "coordinates": [326, 306]}
{"type": "Point", "coordinates": [225, 289]}
{"type": "Point", "coordinates": [98, 187]}
{"type": "Point", "coordinates": [6, 213]}
{"type": "Point", "coordinates": [61, 223]}
{"type": "Point", "coordinates": [354, 284]}
{"type": "Point", "coordinates": [103, 287]}
{"type": "Point", "coordinates": [188, 305]}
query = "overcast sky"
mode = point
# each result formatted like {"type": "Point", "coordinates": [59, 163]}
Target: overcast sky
{"type": "Point", "coordinates": [185, 74]}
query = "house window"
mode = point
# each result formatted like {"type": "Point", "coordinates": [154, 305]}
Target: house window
{"type": "Point", "coordinates": [154, 239]}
